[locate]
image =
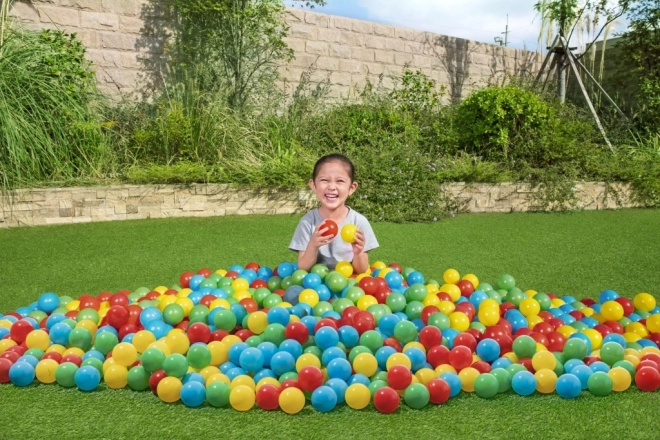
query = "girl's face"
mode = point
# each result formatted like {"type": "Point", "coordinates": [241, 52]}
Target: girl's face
{"type": "Point", "coordinates": [332, 185]}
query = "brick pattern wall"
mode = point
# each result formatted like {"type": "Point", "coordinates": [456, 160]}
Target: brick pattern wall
{"type": "Point", "coordinates": [125, 40]}
{"type": "Point", "coordinates": [32, 207]}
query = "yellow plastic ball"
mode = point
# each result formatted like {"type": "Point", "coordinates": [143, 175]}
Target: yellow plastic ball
{"type": "Point", "coordinates": [57, 348]}
{"type": "Point", "coordinates": [309, 296]}
{"type": "Point", "coordinates": [257, 322]}
{"type": "Point", "coordinates": [459, 321]}
{"type": "Point", "coordinates": [594, 336]}
{"type": "Point", "coordinates": [45, 370]}
{"type": "Point", "coordinates": [218, 377]}
{"type": "Point", "coordinates": [219, 353]}
{"type": "Point", "coordinates": [160, 289]}
{"type": "Point", "coordinates": [471, 278]}
{"type": "Point", "coordinates": [365, 363]}
{"type": "Point", "coordinates": [178, 342]}
{"type": "Point", "coordinates": [444, 368]}
{"type": "Point", "coordinates": [366, 301]}
{"type": "Point", "coordinates": [221, 272]}
{"type": "Point", "coordinates": [529, 307]}
{"type": "Point", "coordinates": [544, 360]}
{"type": "Point", "coordinates": [240, 295]}
{"type": "Point", "coordinates": [230, 340]}
{"type": "Point", "coordinates": [637, 328]}
{"type": "Point", "coordinates": [88, 325]}
{"type": "Point", "coordinates": [348, 233]}
{"type": "Point", "coordinates": [468, 376]}
{"type": "Point", "coordinates": [5, 324]}
{"type": "Point", "coordinates": [209, 371]}
{"type": "Point", "coordinates": [345, 268]}
{"type": "Point", "coordinates": [431, 300]}
{"type": "Point", "coordinates": [556, 302]}
{"type": "Point", "coordinates": [268, 381]}
{"type": "Point", "coordinates": [73, 305]}
{"type": "Point", "coordinates": [165, 301]}
{"type": "Point", "coordinates": [219, 303]}
{"type": "Point", "coordinates": [546, 381]}
{"type": "Point", "coordinates": [451, 276]}
{"type": "Point", "coordinates": [511, 356]}
{"type": "Point", "coordinates": [644, 302]}
{"type": "Point", "coordinates": [124, 354]}
{"type": "Point", "coordinates": [566, 330]}
{"type": "Point", "coordinates": [379, 265]}
{"type": "Point", "coordinates": [424, 375]}
{"type": "Point", "coordinates": [446, 307]}
{"type": "Point", "coordinates": [653, 323]}
{"type": "Point", "coordinates": [169, 389]}
{"type": "Point", "coordinates": [240, 284]}
{"type": "Point", "coordinates": [142, 339]}
{"type": "Point", "coordinates": [74, 351]}
{"type": "Point", "coordinates": [432, 289]}
{"type": "Point", "coordinates": [611, 310]}
{"type": "Point", "coordinates": [183, 293]}
{"type": "Point", "coordinates": [645, 350]}
{"type": "Point", "coordinates": [453, 290]}
{"type": "Point", "coordinates": [384, 271]}
{"type": "Point", "coordinates": [307, 360]}
{"type": "Point", "coordinates": [621, 379]}
{"type": "Point", "coordinates": [532, 320]}
{"type": "Point", "coordinates": [357, 396]}
{"type": "Point", "coordinates": [38, 339]}
{"type": "Point", "coordinates": [116, 376]}
{"type": "Point", "coordinates": [292, 400]}
{"type": "Point", "coordinates": [398, 359]}
{"type": "Point", "coordinates": [413, 344]}
{"type": "Point", "coordinates": [162, 346]}
{"type": "Point", "coordinates": [243, 380]}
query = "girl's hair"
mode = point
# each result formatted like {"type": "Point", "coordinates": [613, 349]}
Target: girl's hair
{"type": "Point", "coordinates": [335, 157]}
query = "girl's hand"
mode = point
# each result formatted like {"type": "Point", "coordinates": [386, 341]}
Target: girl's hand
{"type": "Point", "coordinates": [317, 239]}
{"type": "Point", "coordinates": [358, 244]}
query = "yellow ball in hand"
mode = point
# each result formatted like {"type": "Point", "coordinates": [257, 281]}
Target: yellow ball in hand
{"type": "Point", "coordinates": [348, 233]}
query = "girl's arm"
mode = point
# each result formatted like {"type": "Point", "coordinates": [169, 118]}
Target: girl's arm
{"type": "Point", "coordinates": [309, 257]}
{"type": "Point", "coordinates": [360, 258]}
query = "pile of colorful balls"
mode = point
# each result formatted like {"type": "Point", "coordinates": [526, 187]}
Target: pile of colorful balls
{"type": "Point", "coordinates": [228, 338]}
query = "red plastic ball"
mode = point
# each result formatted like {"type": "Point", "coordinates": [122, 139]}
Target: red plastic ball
{"type": "Point", "coordinates": [443, 296]}
{"type": "Point", "coordinates": [199, 332]}
{"type": "Point", "coordinates": [369, 285]}
{"type": "Point", "coordinates": [117, 316]}
{"type": "Point", "coordinates": [127, 329]}
{"type": "Point", "coordinates": [258, 283]}
{"type": "Point", "coordinates": [89, 302]}
{"type": "Point", "coordinates": [244, 334]}
{"type": "Point", "coordinates": [155, 379]}
{"type": "Point", "coordinates": [19, 330]}
{"type": "Point", "coordinates": [467, 308]}
{"type": "Point", "coordinates": [648, 363]}
{"type": "Point", "coordinates": [118, 299]}
{"type": "Point", "coordinates": [460, 357]}
{"type": "Point", "coordinates": [652, 357]}
{"type": "Point", "coordinates": [482, 367]}
{"type": "Point", "coordinates": [104, 296]}
{"type": "Point", "coordinates": [297, 331]}
{"type": "Point", "coordinates": [395, 266]}
{"type": "Point", "coordinates": [205, 272]}
{"type": "Point", "coordinates": [326, 322]}
{"type": "Point", "coordinates": [11, 356]}
{"type": "Point", "coordinates": [74, 359]}
{"type": "Point", "coordinates": [392, 342]}
{"type": "Point", "coordinates": [438, 355]}
{"type": "Point", "coordinates": [628, 306]}
{"type": "Point", "coordinates": [331, 228]}
{"type": "Point", "coordinates": [556, 341]}
{"type": "Point", "coordinates": [218, 335]}
{"type": "Point", "coordinates": [466, 287]}
{"type": "Point", "coordinates": [249, 304]}
{"type": "Point", "coordinates": [5, 365]}
{"type": "Point", "coordinates": [430, 336]}
{"type": "Point", "coordinates": [615, 326]}
{"type": "Point", "coordinates": [386, 400]}
{"type": "Point", "coordinates": [289, 383]}
{"type": "Point", "coordinates": [267, 397]}
{"type": "Point", "coordinates": [439, 391]}
{"type": "Point", "coordinates": [647, 379]}
{"type": "Point", "coordinates": [310, 378]}
{"type": "Point", "coordinates": [54, 356]}
{"type": "Point", "coordinates": [466, 340]}
{"type": "Point", "coordinates": [544, 328]}
{"type": "Point", "coordinates": [427, 312]}
{"type": "Point", "coordinates": [527, 363]}
{"type": "Point", "coordinates": [399, 377]}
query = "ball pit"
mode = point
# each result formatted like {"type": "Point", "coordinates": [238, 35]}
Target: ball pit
{"type": "Point", "coordinates": [389, 337]}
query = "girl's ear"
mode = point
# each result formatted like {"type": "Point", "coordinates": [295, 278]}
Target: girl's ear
{"type": "Point", "coordinates": [311, 184]}
{"type": "Point", "coordinates": [352, 188]}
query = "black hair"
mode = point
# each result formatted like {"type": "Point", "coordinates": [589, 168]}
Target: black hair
{"type": "Point", "coordinates": [332, 158]}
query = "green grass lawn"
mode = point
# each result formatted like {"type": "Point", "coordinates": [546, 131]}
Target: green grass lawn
{"type": "Point", "coordinates": [579, 254]}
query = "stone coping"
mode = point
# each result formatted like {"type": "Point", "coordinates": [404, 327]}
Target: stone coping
{"type": "Point", "coordinates": [47, 206]}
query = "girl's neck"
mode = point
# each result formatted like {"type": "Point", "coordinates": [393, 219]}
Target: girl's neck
{"type": "Point", "coordinates": [338, 215]}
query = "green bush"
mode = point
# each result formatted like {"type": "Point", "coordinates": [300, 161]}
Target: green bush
{"type": "Point", "coordinates": [503, 123]}
{"type": "Point", "coordinates": [49, 110]}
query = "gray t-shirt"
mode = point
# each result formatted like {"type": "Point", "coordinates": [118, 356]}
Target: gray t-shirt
{"type": "Point", "coordinates": [338, 249]}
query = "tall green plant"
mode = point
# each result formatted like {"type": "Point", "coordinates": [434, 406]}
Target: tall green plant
{"type": "Point", "coordinates": [49, 129]}
{"type": "Point", "coordinates": [236, 45]}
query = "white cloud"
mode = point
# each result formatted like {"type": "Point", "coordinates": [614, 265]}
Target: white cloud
{"type": "Point", "coordinates": [479, 20]}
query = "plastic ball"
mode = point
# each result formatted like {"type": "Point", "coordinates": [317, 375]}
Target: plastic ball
{"type": "Point", "coordinates": [124, 354]}
{"type": "Point", "coordinates": [386, 400]}
{"type": "Point", "coordinates": [568, 386]}
{"type": "Point", "coordinates": [138, 378]}
{"type": "Point", "coordinates": [546, 380]}
{"type": "Point", "coordinates": [169, 389]}
{"type": "Point", "coordinates": [21, 374]}
{"type": "Point", "coordinates": [87, 378]}
{"type": "Point", "coordinates": [357, 396]}
{"type": "Point", "coordinates": [647, 379]}
{"type": "Point", "coordinates": [523, 383]}
{"type": "Point", "coordinates": [116, 376]}
{"type": "Point", "coordinates": [217, 394]}
{"type": "Point", "coordinates": [600, 384]}
{"type": "Point", "coordinates": [292, 400]}
{"type": "Point", "coordinates": [486, 386]}
{"type": "Point", "coordinates": [621, 379]}
{"type": "Point", "coordinates": [644, 301]}
{"type": "Point", "coordinates": [416, 396]}
{"type": "Point", "coordinates": [45, 370]}
{"type": "Point", "coordinates": [324, 399]}
{"type": "Point", "coordinates": [439, 391]}
{"type": "Point", "coordinates": [348, 233]}
{"type": "Point", "coordinates": [242, 398]}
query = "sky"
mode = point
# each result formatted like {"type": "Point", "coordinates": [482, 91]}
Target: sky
{"type": "Point", "coordinates": [478, 20]}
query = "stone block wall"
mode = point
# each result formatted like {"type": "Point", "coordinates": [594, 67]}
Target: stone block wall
{"type": "Point", "coordinates": [125, 41]}
{"type": "Point", "coordinates": [33, 207]}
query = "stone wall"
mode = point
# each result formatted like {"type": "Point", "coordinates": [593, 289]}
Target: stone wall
{"type": "Point", "coordinates": [125, 40]}
{"type": "Point", "coordinates": [31, 207]}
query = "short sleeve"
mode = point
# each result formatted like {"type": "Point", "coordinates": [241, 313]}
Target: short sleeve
{"type": "Point", "coordinates": [302, 234]}
{"type": "Point", "coordinates": [370, 241]}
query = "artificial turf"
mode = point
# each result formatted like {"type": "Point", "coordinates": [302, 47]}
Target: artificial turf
{"type": "Point", "coordinates": [579, 253]}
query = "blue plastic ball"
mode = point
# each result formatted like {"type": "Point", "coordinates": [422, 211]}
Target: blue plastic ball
{"type": "Point", "coordinates": [87, 378]}
{"type": "Point", "coordinates": [312, 281]}
{"type": "Point", "coordinates": [348, 336]}
{"type": "Point", "coordinates": [326, 337]}
{"type": "Point", "coordinates": [234, 352]}
{"type": "Point", "coordinates": [251, 360]}
{"type": "Point", "coordinates": [268, 349]}
{"type": "Point", "coordinates": [454, 382]}
{"type": "Point", "coordinates": [523, 383]}
{"type": "Point", "coordinates": [278, 315]}
{"type": "Point", "coordinates": [324, 399]}
{"type": "Point", "coordinates": [599, 366]}
{"type": "Point", "coordinates": [332, 353]}
{"type": "Point", "coordinates": [284, 269]}
{"type": "Point", "coordinates": [583, 372]}
{"type": "Point", "coordinates": [21, 374]}
{"type": "Point", "coordinates": [568, 386]}
{"type": "Point", "coordinates": [59, 333]}
{"type": "Point", "coordinates": [339, 386]}
{"type": "Point", "coordinates": [339, 369]}
{"type": "Point", "coordinates": [48, 302]}
{"type": "Point", "coordinates": [488, 350]}
{"type": "Point", "coordinates": [193, 394]}
{"type": "Point", "coordinates": [282, 362]}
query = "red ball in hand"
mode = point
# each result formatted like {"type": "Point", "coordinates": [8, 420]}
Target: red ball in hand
{"type": "Point", "coordinates": [331, 228]}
